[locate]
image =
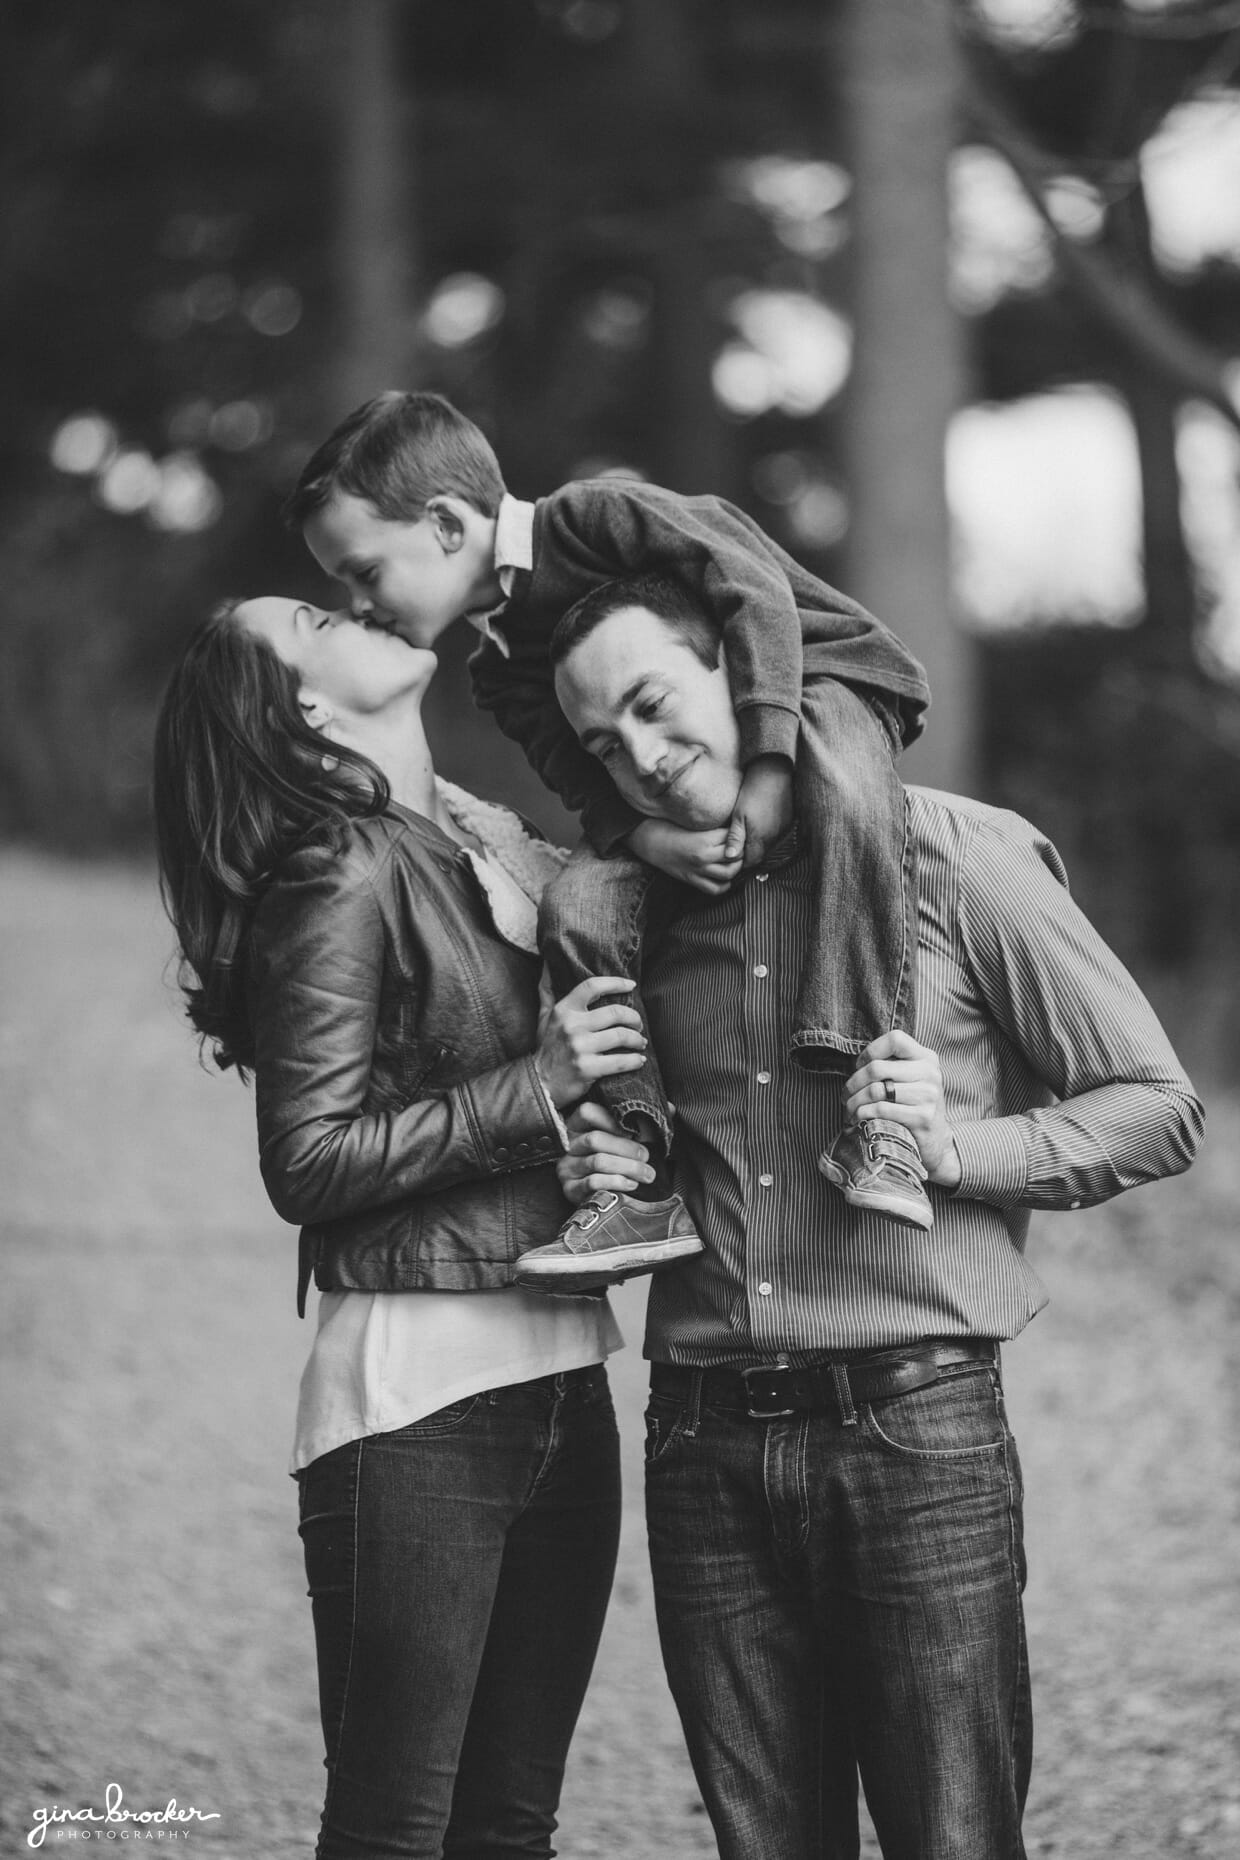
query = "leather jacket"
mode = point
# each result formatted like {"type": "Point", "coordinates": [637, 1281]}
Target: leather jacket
{"type": "Point", "coordinates": [401, 1120]}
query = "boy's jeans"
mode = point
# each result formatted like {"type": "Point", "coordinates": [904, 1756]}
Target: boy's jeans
{"type": "Point", "coordinates": [459, 1570]}
{"type": "Point", "coordinates": [836, 1601]}
{"type": "Point", "coordinates": [859, 975]}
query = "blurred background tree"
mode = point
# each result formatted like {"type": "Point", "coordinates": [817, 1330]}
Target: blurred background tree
{"type": "Point", "coordinates": [799, 255]}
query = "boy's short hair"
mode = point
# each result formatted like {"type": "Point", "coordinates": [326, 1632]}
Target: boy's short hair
{"type": "Point", "coordinates": [397, 452]}
{"type": "Point", "coordinates": [661, 596]}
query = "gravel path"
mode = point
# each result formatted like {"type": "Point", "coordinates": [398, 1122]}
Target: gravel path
{"type": "Point", "coordinates": [155, 1630]}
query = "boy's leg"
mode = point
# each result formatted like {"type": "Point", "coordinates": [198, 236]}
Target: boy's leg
{"type": "Point", "coordinates": [593, 921]}
{"type": "Point", "coordinates": [860, 975]}
{"type": "Point", "coordinates": [859, 979]}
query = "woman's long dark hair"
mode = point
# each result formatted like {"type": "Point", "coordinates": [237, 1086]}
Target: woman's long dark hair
{"type": "Point", "coordinates": [240, 779]}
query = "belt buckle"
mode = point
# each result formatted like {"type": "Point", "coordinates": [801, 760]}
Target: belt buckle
{"type": "Point", "coordinates": [764, 1414]}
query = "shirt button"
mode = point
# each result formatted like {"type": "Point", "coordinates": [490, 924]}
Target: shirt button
{"type": "Point", "coordinates": [764, 1078]}
{"type": "Point", "coordinates": [781, 1361]}
{"type": "Point", "coordinates": [765, 1289]}
{"type": "Point", "coordinates": [762, 877]}
{"type": "Point", "coordinates": [759, 969]}
{"type": "Point", "coordinates": [1074, 1204]}
{"type": "Point", "coordinates": [766, 1180]}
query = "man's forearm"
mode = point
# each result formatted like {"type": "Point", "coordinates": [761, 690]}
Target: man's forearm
{"type": "Point", "coordinates": [1082, 1151]}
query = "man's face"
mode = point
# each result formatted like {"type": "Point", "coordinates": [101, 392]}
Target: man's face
{"type": "Point", "coordinates": [660, 722]}
{"type": "Point", "coordinates": [414, 577]}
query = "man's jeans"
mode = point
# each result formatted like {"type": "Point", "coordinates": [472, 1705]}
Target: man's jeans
{"type": "Point", "coordinates": [459, 1571]}
{"type": "Point", "coordinates": [839, 1599]}
{"type": "Point", "coordinates": [858, 979]}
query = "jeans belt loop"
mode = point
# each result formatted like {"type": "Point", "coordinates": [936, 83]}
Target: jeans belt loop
{"type": "Point", "coordinates": [695, 1405]}
{"type": "Point", "coordinates": [843, 1394]}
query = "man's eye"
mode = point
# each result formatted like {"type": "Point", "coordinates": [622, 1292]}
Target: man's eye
{"type": "Point", "coordinates": [650, 707]}
{"type": "Point", "coordinates": [365, 577]}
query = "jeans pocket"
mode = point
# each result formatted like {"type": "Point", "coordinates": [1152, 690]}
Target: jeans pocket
{"type": "Point", "coordinates": [665, 1425]}
{"type": "Point", "coordinates": [442, 1421]}
{"type": "Point", "coordinates": [957, 1417]}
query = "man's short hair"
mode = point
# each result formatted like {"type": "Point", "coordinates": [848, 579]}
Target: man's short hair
{"type": "Point", "coordinates": [659, 595]}
{"type": "Point", "coordinates": [397, 452]}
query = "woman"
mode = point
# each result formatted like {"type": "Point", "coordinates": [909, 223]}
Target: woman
{"type": "Point", "coordinates": [360, 936]}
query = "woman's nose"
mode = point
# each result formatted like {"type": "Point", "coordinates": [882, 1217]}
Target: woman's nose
{"type": "Point", "coordinates": [360, 606]}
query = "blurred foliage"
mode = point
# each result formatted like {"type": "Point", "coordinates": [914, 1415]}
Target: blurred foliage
{"type": "Point", "coordinates": [590, 189]}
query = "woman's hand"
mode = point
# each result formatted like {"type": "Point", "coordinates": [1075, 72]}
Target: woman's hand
{"type": "Point", "coordinates": [581, 1043]}
{"type": "Point", "coordinates": [600, 1156]}
{"type": "Point", "coordinates": [694, 856]}
{"type": "Point", "coordinates": [914, 1074]}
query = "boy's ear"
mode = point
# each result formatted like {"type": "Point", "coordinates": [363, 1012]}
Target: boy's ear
{"type": "Point", "coordinates": [447, 520]}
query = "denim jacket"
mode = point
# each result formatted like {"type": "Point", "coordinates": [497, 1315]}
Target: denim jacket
{"type": "Point", "coordinates": [401, 1120]}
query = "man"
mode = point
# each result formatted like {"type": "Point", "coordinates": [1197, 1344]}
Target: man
{"type": "Point", "coordinates": [833, 1494]}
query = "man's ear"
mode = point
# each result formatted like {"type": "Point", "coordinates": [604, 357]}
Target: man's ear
{"type": "Point", "coordinates": [447, 519]}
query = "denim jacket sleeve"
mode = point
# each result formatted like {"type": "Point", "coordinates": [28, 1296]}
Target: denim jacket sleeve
{"type": "Point", "coordinates": [317, 972]}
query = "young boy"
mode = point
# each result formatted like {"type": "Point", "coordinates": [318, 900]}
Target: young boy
{"type": "Point", "coordinates": [405, 504]}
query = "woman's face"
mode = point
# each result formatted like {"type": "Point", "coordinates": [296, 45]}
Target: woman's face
{"type": "Point", "coordinates": [346, 669]}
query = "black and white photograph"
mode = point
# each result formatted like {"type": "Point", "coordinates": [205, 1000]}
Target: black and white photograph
{"type": "Point", "coordinates": [619, 881]}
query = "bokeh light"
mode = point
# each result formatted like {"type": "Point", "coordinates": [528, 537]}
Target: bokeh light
{"type": "Point", "coordinates": [801, 198]}
{"type": "Point", "coordinates": [129, 482]}
{"type": "Point", "coordinates": [1045, 496]}
{"type": "Point", "coordinates": [1191, 171]}
{"type": "Point", "coordinates": [805, 345]}
{"type": "Point", "coordinates": [618, 316]}
{"type": "Point", "coordinates": [463, 307]}
{"type": "Point", "coordinates": [1208, 456]}
{"type": "Point", "coordinates": [186, 498]}
{"type": "Point", "coordinates": [240, 424]}
{"type": "Point", "coordinates": [83, 444]}
{"type": "Point", "coordinates": [273, 308]}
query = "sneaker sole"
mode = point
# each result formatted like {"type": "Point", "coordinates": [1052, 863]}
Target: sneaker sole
{"type": "Point", "coordinates": [611, 1265]}
{"type": "Point", "coordinates": [906, 1213]}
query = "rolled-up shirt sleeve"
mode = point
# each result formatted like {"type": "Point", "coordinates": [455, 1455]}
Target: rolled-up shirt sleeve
{"type": "Point", "coordinates": [1123, 1112]}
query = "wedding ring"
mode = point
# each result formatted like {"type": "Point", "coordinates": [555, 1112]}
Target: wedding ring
{"type": "Point", "coordinates": [889, 1091]}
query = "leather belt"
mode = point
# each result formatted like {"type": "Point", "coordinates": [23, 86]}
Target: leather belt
{"type": "Point", "coordinates": [769, 1392]}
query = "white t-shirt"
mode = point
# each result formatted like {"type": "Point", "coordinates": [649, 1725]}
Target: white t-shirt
{"type": "Point", "coordinates": [382, 1360]}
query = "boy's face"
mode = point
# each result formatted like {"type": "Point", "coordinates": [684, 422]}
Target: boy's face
{"type": "Point", "coordinates": [416, 577]}
{"type": "Point", "coordinates": [659, 720]}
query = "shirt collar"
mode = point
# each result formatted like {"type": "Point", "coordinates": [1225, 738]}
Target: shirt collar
{"type": "Point", "coordinates": [514, 549]}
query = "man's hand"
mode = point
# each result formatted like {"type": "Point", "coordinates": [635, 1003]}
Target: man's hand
{"type": "Point", "coordinates": [600, 1156]}
{"type": "Point", "coordinates": [763, 811]}
{"type": "Point", "coordinates": [695, 857]}
{"type": "Point", "coordinates": [915, 1074]}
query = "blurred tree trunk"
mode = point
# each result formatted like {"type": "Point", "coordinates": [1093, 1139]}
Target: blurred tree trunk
{"type": "Point", "coordinates": [666, 77]}
{"type": "Point", "coordinates": [899, 79]}
{"type": "Point", "coordinates": [375, 237]}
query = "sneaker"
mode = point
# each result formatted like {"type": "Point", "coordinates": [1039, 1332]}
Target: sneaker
{"type": "Point", "coordinates": [616, 1235]}
{"type": "Point", "coordinates": [878, 1167]}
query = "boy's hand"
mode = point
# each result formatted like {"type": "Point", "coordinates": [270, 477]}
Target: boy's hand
{"type": "Point", "coordinates": [695, 857]}
{"type": "Point", "coordinates": [763, 811]}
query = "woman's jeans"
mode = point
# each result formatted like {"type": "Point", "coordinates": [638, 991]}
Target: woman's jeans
{"type": "Point", "coordinates": [860, 972]}
{"type": "Point", "coordinates": [839, 1600]}
{"type": "Point", "coordinates": [459, 1570]}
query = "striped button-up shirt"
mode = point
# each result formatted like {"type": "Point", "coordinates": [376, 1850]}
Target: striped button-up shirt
{"type": "Point", "coordinates": [1060, 1087]}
